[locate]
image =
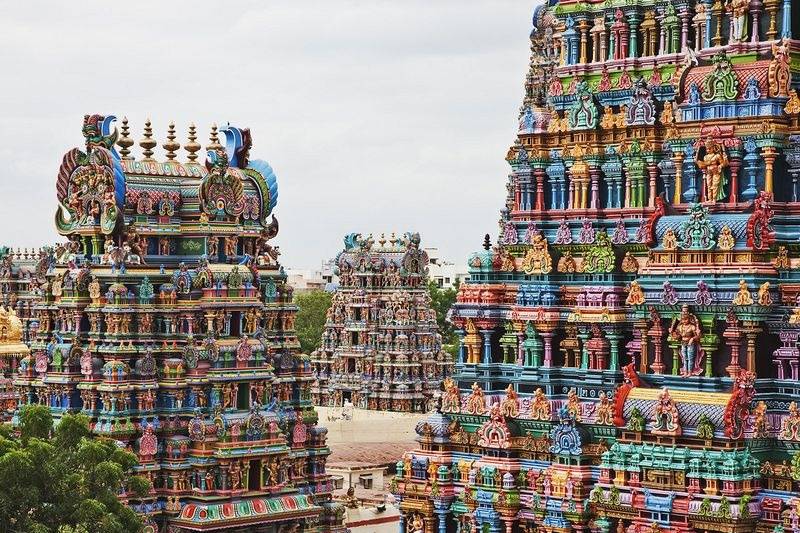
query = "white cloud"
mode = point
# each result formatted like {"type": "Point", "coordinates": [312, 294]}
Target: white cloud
{"type": "Point", "coordinates": [376, 115]}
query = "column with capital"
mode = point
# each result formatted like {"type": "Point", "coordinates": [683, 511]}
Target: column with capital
{"type": "Point", "coordinates": [718, 10]}
{"type": "Point", "coordinates": [614, 338]}
{"type": "Point", "coordinates": [756, 6]}
{"type": "Point", "coordinates": [684, 15]}
{"type": "Point", "coordinates": [633, 24]}
{"type": "Point", "coordinates": [734, 162]}
{"type": "Point", "coordinates": [652, 172]}
{"type": "Point", "coordinates": [547, 336]}
{"type": "Point", "coordinates": [583, 335]}
{"type": "Point", "coordinates": [583, 28]}
{"type": "Point", "coordinates": [540, 176]}
{"type": "Point", "coordinates": [786, 23]}
{"type": "Point", "coordinates": [644, 349]}
{"type": "Point", "coordinates": [769, 153]}
{"type": "Point", "coordinates": [733, 337]}
{"type": "Point", "coordinates": [461, 348]}
{"type": "Point", "coordinates": [594, 173]}
{"type": "Point", "coordinates": [487, 345]}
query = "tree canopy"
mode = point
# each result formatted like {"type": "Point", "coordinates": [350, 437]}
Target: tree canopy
{"type": "Point", "coordinates": [441, 301]}
{"type": "Point", "coordinates": [310, 323]}
{"type": "Point", "coordinates": [64, 479]}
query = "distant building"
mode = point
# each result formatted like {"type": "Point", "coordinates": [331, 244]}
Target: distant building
{"type": "Point", "coordinates": [444, 273]}
{"type": "Point", "coordinates": [313, 279]}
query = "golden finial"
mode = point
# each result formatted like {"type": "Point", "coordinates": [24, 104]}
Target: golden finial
{"type": "Point", "coordinates": [215, 145]}
{"type": "Point", "coordinates": [192, 146]}
{"type": "Point", "coordinates": [147, 143]}
{"type": "Point", "coordinates": [125, 142]}
{"type": "Point", "coordinates": [171, 145]}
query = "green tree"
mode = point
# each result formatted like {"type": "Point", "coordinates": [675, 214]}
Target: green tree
{"type": "Point", "coordinates": [441, 301]}
{"type": "Point", "coordinates": [64, 479]}
{"type": "Point", "coordinates": [310, 323]}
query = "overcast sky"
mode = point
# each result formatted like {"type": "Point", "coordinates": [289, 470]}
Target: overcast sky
{"type": "Point", "coordinates": [376, 115]}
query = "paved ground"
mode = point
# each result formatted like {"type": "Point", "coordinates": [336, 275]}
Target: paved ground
{"type": "Point", "coordinates": [378, 453]}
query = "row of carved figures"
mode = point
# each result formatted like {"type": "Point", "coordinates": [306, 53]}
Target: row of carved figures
{"type": "Point", "coordinates": [630, 33]}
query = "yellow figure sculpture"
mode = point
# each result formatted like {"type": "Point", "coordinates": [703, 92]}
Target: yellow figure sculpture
{"type": "Point", "coordinates": [537, 260]}
{"type": "Point", "coordinates": [726, 240]}
{"type": "Point", "coordinates": [743, 297]}
{"type": "Point", "coordinates": [713, 165]}
{"type": "Point", "coordinates": [764, 296]}
{"type": "Point", "coordinates": [670, 240]}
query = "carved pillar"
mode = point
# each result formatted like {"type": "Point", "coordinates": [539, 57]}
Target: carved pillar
{"type": "Point", "coordinates": [733, 334]}
{"type": "Point", "coordinates": [709, 342]}
{"type": "Point", "coordinates": [573, 204]}
{"type": "Point", "coordinates": [786, 23]}
{"type": "Point", "coordinates": [613, 339]}
{"type": "Point", "coordinates": [656, 333]}
{"type": "Point", "coordinates": [771, 7]}
{"type": "Point", "coordinates": [633, 21]}
{"type": "Point", "coordinates": [751, 331]}
{"type": "Point", "coordinates": [461, 348]}
{"type": "Point", "coordinates": [755, 12]}
{"type": "Point", "coordinates": [547, 336]}
{"type": "Point", "coordinates": [627, 190]}
{"type": "Point", "coordinates": [644, 355]}
{"type": "Point", "coordinates": [769, 153]}
{"type": "Point", "coordinates": [677, 157]}
{"type": "Point", "coordinates": [583, 335]}
{"type": "Point", "coordinates": [487, 346]}
{"type": "Point", "coordinates": [583, 27]}
{"type": "Point", "coordinates": [718, 10]}
{"type": "Point", "coordinates": [684, 29]}
{"type": "Point", "coordinates": [690, 171]}
{"type": "Point", "coordinates": [735, 162]}
{"type": "Point", "coordinates": [652, 172]}
{"type": "Point", "coordinates": [751, 165]}
{"type": "Point", "coordinates": [594, 174]}
{"type": "Point", "coordinates": [540, 175]}
{"type": "Point", "coordinates": [707, 33]}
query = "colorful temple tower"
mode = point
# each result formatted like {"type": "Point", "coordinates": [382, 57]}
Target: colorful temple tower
{"type": "Point", "coordinates": [19, 288]}
{"type": "Point", "coordinates": [19, 293]}
{"type": "Point", "coordinates": [166, 319]}
{"type": "Point", "coordinates": [629, 357]}
{"type": "Point", "coordinates": [381, 348]}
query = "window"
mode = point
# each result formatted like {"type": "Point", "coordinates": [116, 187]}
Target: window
{"type": "Point", "coordinates": [338, 482]}
{"type": "Point", "coordinates": [365, 480]}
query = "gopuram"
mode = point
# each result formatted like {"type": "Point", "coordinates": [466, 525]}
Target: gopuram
{"type": "Point", "coordinates": [381, 348]}
{"type": "Point", "coordinates": [167, 320]}
{"type": "Point", "coordinates": [629, 359]}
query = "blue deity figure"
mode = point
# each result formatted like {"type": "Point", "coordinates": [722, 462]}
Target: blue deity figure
{"type": "Point", "coordinates": [686, 330]}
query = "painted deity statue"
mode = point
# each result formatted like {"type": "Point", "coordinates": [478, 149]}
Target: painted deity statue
{"type": "Point", "coordinates": [605, 410]}
{"type": "Point", "coordinates": [738, 10]}
{"type": "Point", "coordinates": [538, 260]}
{"type": "Point", "coordinates": [510, 404]}
{"type": "Point", "coordinates": [686, 330]}
{"type": "Point", "coordinates": [451, 399]}
{"type": "Point", "coordinates": [476, 402]}
{"type": "Point", "coordinates": [666, 415]}
{"type": "Point", "coordinates": [540, 407]}
{"type": "Point", "coordinates": [713, 164]}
